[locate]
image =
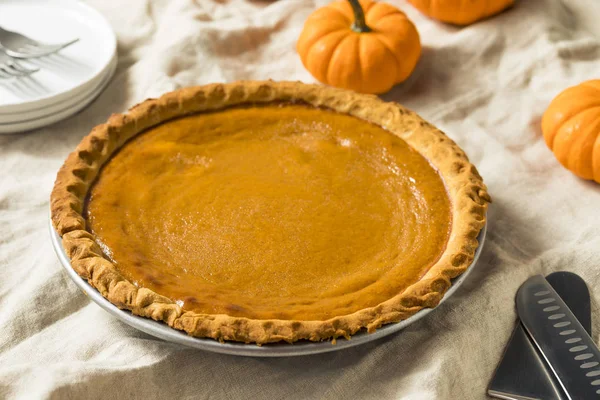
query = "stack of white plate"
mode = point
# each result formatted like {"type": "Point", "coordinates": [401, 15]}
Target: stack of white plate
{"type": "Point", "coordinates": [67, 81]}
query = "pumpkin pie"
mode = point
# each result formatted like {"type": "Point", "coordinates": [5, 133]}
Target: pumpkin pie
{"type": "Point", "coordinates": [263, 212]}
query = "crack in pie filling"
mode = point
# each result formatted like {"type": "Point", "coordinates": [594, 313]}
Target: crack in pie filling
{"type": "Point", "coordinates": [273, 215]}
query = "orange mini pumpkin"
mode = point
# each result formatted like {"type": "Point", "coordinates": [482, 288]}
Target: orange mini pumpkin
{"type": "Point", "coordinates": [571, 127]}
{"type": "Point", "coordinates": [363, 46]}
{"type": "Point", "coordinates": [460, 12]}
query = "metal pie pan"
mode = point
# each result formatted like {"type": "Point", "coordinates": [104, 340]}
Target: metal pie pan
{"type": "Point", "coordinates": [300, 348]}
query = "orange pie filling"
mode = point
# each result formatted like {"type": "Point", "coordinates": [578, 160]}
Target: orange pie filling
{"type": "Point", "coordinates": [279, 211]}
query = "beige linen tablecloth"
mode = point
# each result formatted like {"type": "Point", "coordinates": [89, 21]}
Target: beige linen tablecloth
{"type": "Point", "coordinates": [486, 85]}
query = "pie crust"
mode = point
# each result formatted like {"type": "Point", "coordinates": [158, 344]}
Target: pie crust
{"type": "Point", "coordinates": [466, 190]}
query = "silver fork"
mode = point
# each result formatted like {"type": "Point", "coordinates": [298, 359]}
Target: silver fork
{"type": "Point", "coordinates": [20, 46]}
{"type": "Point", "coordinates": [9, 68]}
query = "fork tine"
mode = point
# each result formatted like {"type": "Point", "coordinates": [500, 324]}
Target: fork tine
{"type": "Point", "coordinates": [25, 52]}
{"type": "Point", "coordinates": [13, 71]}
{"type": "Point", "coordinates": [54, 46]}
{"type": "Point", "coordinates": [21, 68]}
{"type": "Point", "coordinates": [6, 71]}
{"type": "Point", "coordinates": [38, 50]}
{"type": "Point", "coordinates": [4, 75]}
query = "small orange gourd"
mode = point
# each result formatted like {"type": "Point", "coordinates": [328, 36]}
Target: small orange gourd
{"type": "Point", "coordinates": [361, 45]}
{"type": "Point", "coordinates": [460, 12]}
{"type": "Point", "coordinates": [571, 127]}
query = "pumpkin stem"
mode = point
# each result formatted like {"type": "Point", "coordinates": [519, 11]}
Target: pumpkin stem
{"type": "Point", "coordinates": [359, 24]}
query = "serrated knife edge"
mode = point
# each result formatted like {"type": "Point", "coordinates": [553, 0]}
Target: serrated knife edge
{"type": "Point", "coordinates": [541, 309]}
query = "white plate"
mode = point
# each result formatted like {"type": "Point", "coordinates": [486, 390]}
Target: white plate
{"type": "Point", "coordinates": [76, 69]}
{"type": "Point", "coordinates": [15, 118]}
{"type": "Point", "coordinates": [162, 331]}
{"type": "Point", "coordinates": [29, 87]}
{"type": "Point", "coordinates": [60, 115]}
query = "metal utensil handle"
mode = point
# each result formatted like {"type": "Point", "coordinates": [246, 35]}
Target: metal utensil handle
{"type": "Point", "coordinates": [567, 348]}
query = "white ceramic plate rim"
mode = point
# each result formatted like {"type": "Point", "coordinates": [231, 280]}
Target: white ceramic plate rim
{"type": "Point", "coordinates": [46, 112]}
{"type": "Point", "coordinates": [111, 40]}
{"type": "Point", "coordinates": [57, 116]}
{"type": "Point", "coordinates": [162, 331]}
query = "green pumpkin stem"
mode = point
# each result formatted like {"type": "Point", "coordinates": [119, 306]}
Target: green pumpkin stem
{"type": "Point", "coordinates": [359, 24]}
